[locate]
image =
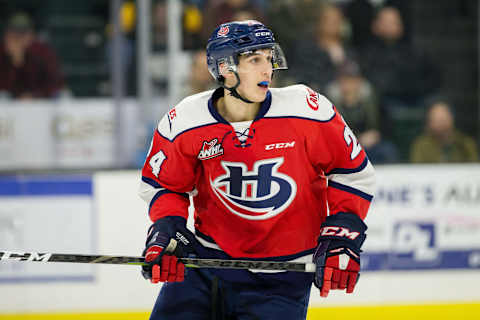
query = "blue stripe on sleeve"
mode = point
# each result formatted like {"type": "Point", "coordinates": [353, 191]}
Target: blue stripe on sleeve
{"type": "Point", "coordinates": [347, 171]}
{"type": "Point", "coordinates": [354, 191]}
{"type": "Point", "coordinates": [163, 192]}
{"type": "Point", "coordinates": [151, 182]}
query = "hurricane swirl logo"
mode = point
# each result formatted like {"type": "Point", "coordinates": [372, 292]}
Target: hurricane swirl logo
{"type": "Point", "coordinates": [312, 99]}
{"type": "Point", "coordinates": [254, 195]}
{"type": "Point", "coordinates": [224, 30]}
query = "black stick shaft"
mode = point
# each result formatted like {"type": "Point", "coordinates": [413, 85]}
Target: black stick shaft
{"type": "Point", "coordinates": [126, 260]}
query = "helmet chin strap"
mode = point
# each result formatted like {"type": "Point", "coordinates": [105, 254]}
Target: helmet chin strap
{"type": "Point", "coordinates": [233, 90]}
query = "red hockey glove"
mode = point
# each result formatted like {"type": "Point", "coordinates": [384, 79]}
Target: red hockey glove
{"type": "Point", "coordinates": [337, 256]}
{"type": "Point", "coordinates": [163, 264]}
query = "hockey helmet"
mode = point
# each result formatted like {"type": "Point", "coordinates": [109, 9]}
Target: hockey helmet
{"type": "Point", "coordinates": [231, 39]}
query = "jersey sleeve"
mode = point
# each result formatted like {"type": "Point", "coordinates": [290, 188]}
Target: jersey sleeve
{"type": "Point", "coordinates": [167, 175]}
{"type": "Point", "coordinates": [339, 156]}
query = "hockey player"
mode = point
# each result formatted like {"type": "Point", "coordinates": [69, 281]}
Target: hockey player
{"type": "Point", "coordinates": [274, 174]}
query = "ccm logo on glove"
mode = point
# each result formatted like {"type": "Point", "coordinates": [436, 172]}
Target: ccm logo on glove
{"type": "Point", "coordinates": [339, 232]}
{"type": "Point", "coordinates": [337, 256]}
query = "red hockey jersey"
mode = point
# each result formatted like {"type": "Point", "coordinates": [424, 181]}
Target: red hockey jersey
{"type": "Point", "coordinates": [264, 190]}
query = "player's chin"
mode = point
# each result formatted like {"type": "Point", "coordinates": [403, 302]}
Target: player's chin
{"type": "Point", "coordinates": [260, 95]}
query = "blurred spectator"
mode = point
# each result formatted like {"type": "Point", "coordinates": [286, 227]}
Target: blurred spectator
{"type": "Point", "coordinates": [330, 31]}
{"type": "Point", "coordinates": [159, 26]}
{"type": "Point", "coordinates": [442, 142]}
{"type": "Point", "coordinates": [317, 59]}
{"type": "Point", "coordinates": [199, 77]}
{"type": "Point", "coordinates": [217, 12]}
{"type": "Point", "coordinates": [293, 22]}
{"type": "Point", "coordinates": [402, 75]}
{"type": "Point", "coordinates": [126, 49]}
{"type": "Point", "coordinates": [360, 13]}
{"type": "Point", "coordinates": [405, 9]}
{"type": "Point", "coordinates": [29, 68]}
{"type": "Point", "coordinates": [355, 98]}
{"type": "Point", "coordinates": [159, 59]}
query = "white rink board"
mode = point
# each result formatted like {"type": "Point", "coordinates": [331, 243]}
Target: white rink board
{"type": "Point", "coordinates": [121, 223]}
{"type": "Point", "coordinates": [121, 220]}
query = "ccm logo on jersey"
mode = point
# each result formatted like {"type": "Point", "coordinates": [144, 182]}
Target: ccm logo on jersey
{"type": "Point", "coordinates": [281, 145]}
{"type": "Point", "coordinates": [339, 232]}
{"type": "Point", "coordinates": [210, 149]}
{"type": "Point", "coordinates": [312, 99]}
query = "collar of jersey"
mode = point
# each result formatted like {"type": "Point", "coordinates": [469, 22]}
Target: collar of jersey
{"type": "Point", "coordinates": [219, 93]}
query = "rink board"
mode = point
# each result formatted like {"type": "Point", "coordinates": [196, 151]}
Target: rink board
{"type": "Point", "coordinates": [47, 213]}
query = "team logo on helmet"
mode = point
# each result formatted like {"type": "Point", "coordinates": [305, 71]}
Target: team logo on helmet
{"type": "Point", "coordinates": [224, 30]}
{"type": "Point", "coordinates": [254, 195]}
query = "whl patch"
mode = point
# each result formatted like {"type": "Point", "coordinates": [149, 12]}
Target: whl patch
{"type": "Point", "coordinates": [210, 149]}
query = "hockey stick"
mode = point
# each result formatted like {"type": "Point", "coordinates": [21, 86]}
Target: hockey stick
{"type": "Point", "coordinates": [189, 262]}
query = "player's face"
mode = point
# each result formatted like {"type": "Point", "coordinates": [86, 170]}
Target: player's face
{"type": "Point", "coordinates": [255, 72]}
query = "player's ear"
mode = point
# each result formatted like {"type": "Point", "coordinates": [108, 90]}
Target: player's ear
{"type": "Point", "coordinates": [224, 70]}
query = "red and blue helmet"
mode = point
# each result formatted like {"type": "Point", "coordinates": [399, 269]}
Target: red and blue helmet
{"type": "Point", "coordinates": [231, 39]}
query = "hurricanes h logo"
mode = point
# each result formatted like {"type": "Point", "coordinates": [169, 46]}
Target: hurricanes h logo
{"type": "Point", "coordinates": [259, 194]}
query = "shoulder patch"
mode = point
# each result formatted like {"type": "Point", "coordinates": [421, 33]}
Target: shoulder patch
{"type": "Point", "coordinates": [190, 113]}
{"type": "Point", "coordinates": [302, 102]}
{"type": "Point", "coordinates": [313, 99]}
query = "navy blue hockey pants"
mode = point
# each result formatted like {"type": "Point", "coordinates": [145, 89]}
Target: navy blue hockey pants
{"type": "Point", "coordinates": [205, 296]}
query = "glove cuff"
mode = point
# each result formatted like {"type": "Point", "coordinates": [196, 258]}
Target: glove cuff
{"type": "Point", "coordinates": [167, 225]}
{"type": "Point", "coordinates": [344, 226]}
